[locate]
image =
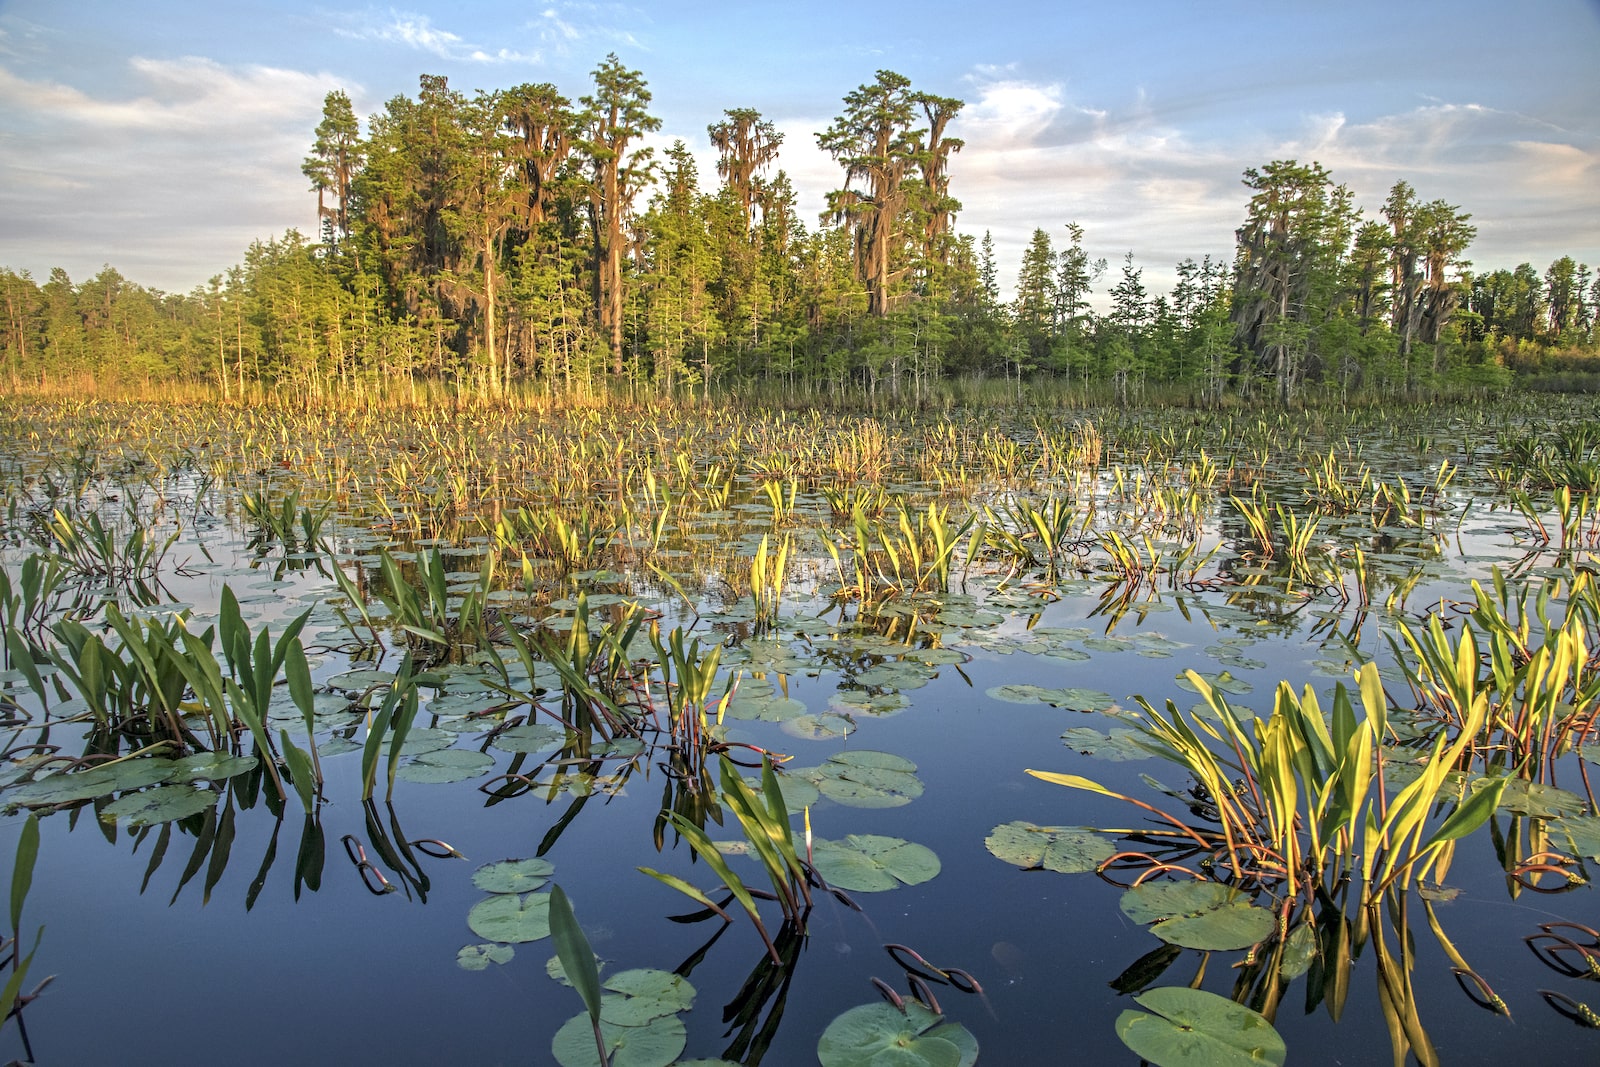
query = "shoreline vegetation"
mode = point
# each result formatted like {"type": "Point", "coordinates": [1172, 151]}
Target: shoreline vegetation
{"type": "Point", "coordinates": [519, 242]}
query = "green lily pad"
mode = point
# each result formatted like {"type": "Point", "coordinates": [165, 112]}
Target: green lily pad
{"type": "Point", "coordinates": [880, 1035]}
{"type": "Point", "coordinates": [211, 767]}
{"type": "Point", "coordinates": [161, 804]}
{"type": "Point", "coordinates": [513, 876]}
{"type": "Point", "coordinates": [68, 788]}
{"type": "Point", "coordinates": [529, 738]}
{"type": "Point", "coordinates": [655, 1044]}
{"type": "Point", "coordinates": [1542, 801]}
{"type": "Point", "coordinates": [824, 727]}
{"type": "Point", "coordinates": [1223, 682]}
{"type": "Point", "coordinates": [478, 957]}
{"type": "Point", "coordinates": [1582, 833]}
{"type": "Point", "coordinates": [1202, 915]}
{"type": "Point", "coordinates": [1068, 849]}
{"type": "Point", "coordinates": [510, 918]}
{"type": "Point", "coordinates": [1020, 693]}
{"type": "Point", "coordinates": [1193, 1028]}
{"type": "Point", "coordinates": [866, 779]}
{"type": "Point", "coordinates": [423, 740]}
{"type": "Point", "coordinates": [448, 765]}
{"type": "Point", "coordinates": [1079, 699]}
{"type": "Point", "coordinates": [558, 972]}
{"type": "Point", "coordinates": [765, 708]}
{"type": "Point", "coordinates": [642, 994]}
{"type": "Point", "coordinates": [871, 863]}
{"type": "Point", "coordinates": [1119, 745]}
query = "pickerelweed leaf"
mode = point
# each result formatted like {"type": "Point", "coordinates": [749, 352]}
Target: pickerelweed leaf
{"type": "Point", "coordinates": [1202, 915]}
{"type": "Point", "coordinates": [871, 863]}
{"type": "Point", "coordinates": [511, 919]}
{"type": "Point", "coordinates": [1068, 849]}
{"type": "Point", "coordinates": [880, 1035]}
{"type": "Point", "coordinates": [513, 876]}
{"type": "Point", "coordinates": [1194, 1028]}
{"type": "Point", "coordinates": [161, 804]}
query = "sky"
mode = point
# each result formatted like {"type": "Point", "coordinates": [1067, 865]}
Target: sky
{"type": "Point", "coordinates": [163, 136]}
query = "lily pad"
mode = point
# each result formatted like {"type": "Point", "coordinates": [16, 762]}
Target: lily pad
{"type": "Point", "coordinates": [866, 779]}
{"type": "Point", "coordinates": [513, 876]}
{"type": "Point", "coordinates": [510, 918]}
{"type": "Point", "coordinates": [642, 994]}
{"type": "Point", "coordinates": [211, 767]}
{"type": "Point", "coordinates": [1582, 833]}
{"type": "Point", "coordinates": [1542, 801]}
{"type": "Point", "coordinates": [1202, 915]}
{"type": "Point", "coordinates": [1020, 693]}
{"type": "Point", "coordinates": [656, 1044]}
{"type": "Point", "coordinates": [1068, 849]}
{"type": "Point", "coordinates": [478, 957]}
{"type": "Point", "coordinates": [822, 727]}
{"type": "Point", "coordinates": [67, 788]}
{"type": "Point", "coordinates": [880, 1035]}
{"type": "Point", "coordinates": [529, 738]}
{"type": "Point", "coordinates": [1079, 699]}
{"type": "Point", "coordinates": [449, 765]}
{"type": "Point", "coordinates": [1193, 1028]}
{"type": "Point", "coordinates": [1118, 745]}
{"type": "Point", "coordinates": [871, 863]}
{"type": "Point", "coordinates": [161, 804]}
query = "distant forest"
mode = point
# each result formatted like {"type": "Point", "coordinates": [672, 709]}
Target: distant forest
{"type": "Point", "coordinates": [517, 238]}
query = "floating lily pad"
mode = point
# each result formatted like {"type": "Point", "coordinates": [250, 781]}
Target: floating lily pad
{"type": "Point", "coordinates": [361, 679]}
{"type": "Point", "coordinates": [449, 765]}
{"type": "Point", "coordinates": [478, 957]}
{"type": "Point", "coordinates": [1020, 693]}
{"type": "Point", "coordinates": [871, 863]}
{"type": "Point", "coordinates": [1068, 849]}
{"type": "Point", "coordinates": [824, 727]}
{"type": "Point", "coordinates": [510, 918]}
{"type": "Point", "coordinates": [1118, 745]}
{"type": "Point", "coordinates": [161, 804]}
{"type": "Point", "coordinates": [1193, 1028]}
{"type": "Point", "coordinates": [211, 767]}
{"type": "Point", "coordinates": [421, 741]}
{"type": "Point", "coordinates": [1079, 699]}
{"type": "Point", "coordinates": [765, 708]}
{"type": "Point", "coordinates": [1582, 833]}
{"type": "Point", "coordinates": [513, 876]}
{"type": "Point", "coordinates": [880, 1035]}
{"type": "Point", "coordinates": [866, 779]}
{"type": "Point", "coordinates": [1224, 682]}
{"type": "Point", "coordinates": [529, 738]}
{"type": "Point", "coordinates": [643, 994]}
{"type": "Point", "coordinates": [1542, 801]}
{"type": "Point", "coordinates": [1203, 915]}
{"type": "Point", "coordinates": [656, 1044]}
{"type": "Point", "coordinates": [67, 788]}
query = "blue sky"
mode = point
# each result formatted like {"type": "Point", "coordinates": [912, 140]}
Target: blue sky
{"type": "Point", "coordinates": [162, 136]}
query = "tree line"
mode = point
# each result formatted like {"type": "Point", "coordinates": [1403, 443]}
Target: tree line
{"type": "Point", "coordinates": [517, 235]}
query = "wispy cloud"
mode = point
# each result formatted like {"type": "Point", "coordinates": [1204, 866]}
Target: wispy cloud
{"type": "Point", "coordinates": [417, 32]}
{"type": "Point", "coordinates": [563, 25]}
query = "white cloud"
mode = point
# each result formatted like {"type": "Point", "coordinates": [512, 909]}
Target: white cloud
{"type": "Point", "coordinates": [418, 32]}
{"type": "Point", "coordinates": [189, 167]}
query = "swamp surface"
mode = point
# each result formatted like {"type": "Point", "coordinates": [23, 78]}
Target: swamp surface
{"type": "Point", "coordinates": [538, 636]}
